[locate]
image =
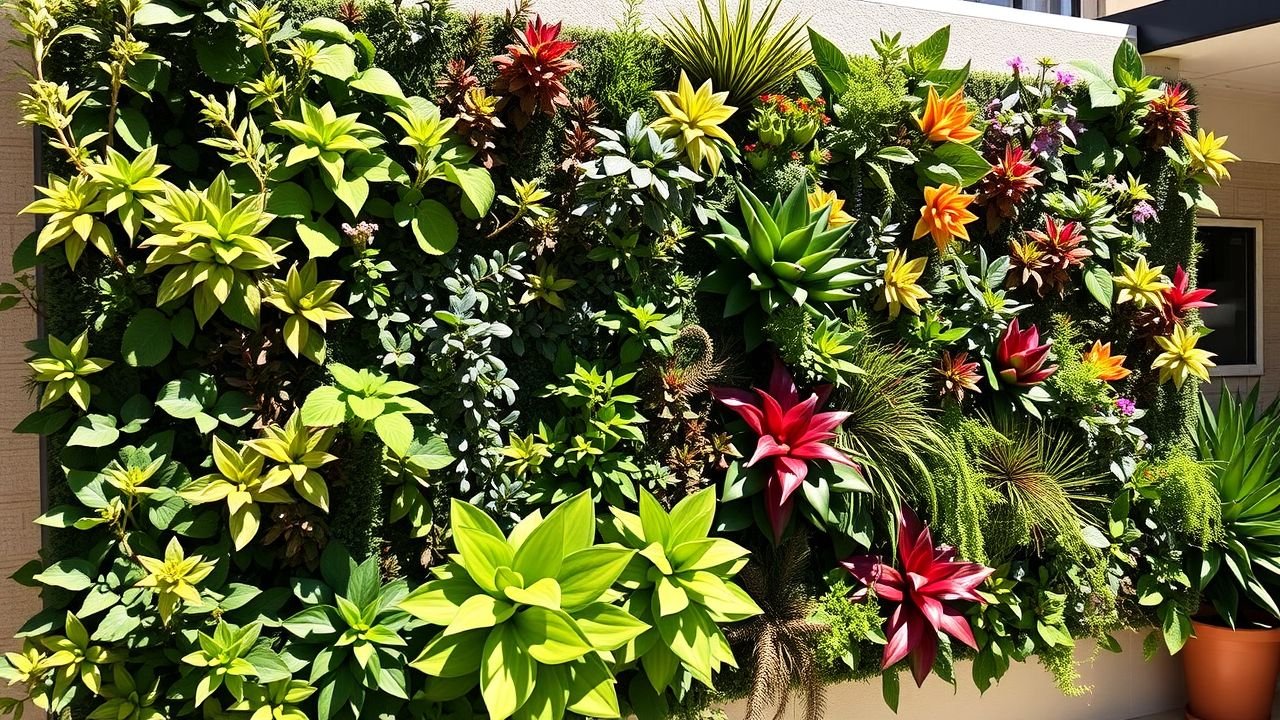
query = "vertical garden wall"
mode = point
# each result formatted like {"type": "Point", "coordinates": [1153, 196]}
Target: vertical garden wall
{"type": "Point", "coordinates": [406, 362]}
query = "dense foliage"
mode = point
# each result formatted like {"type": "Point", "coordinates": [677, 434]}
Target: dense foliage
{"type": "Point", "coordinates": [405, 362]}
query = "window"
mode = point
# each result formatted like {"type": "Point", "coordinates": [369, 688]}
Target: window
{"type": "Point", "coordinates": [1230, 263]}
{"type": "Point", "coordinates": [1055, 7]}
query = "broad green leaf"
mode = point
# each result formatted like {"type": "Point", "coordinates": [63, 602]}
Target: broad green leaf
{"type": "Point", "coordinates": [506, 673]}
{"type": "Point", "coordinates": [831, 62]}
{"type": "Point", "coordinates": [434, 228]}
{"type": "Point", "coordinates": [147, 340]}
{"type": "Point", "coordinates": [549, 636]}
{"type": "Point", "coordinates": [608, 627]}
{"type": "Point", "coordinates": [1100, 285]}
{"type": "Point", "coordinates": [930, 52]}
{"type": "Point", "coordinates": [477, 187]}
{"type": "Point", "coordinates": [586, 574]}
{"type": "Point", "coordinates": [451, 656]}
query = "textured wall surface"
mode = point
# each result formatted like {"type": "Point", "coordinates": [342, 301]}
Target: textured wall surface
{"type": "Point", "coordinates": [984, 33]}
{"type": "Point", "coordinates": [1121, 687]}
{"type": "Point", "coordinates": [19, 454]}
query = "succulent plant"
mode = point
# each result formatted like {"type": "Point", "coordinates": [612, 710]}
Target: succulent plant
{"type": "Point", "coordinates": [791, 256]}
{"type": "Point", "coordinates": [532, 71]}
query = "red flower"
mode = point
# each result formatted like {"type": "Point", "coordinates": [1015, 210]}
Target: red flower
{"type": "Point", "coordinates": [1002, 189]}
{"type": "Point", "coordinates": [791, 435]}
{"type": "Point", "coordinates": [958, 375]}
{"type": "Point", "coordinates": [1168, 116]}
{"type": "Point", "coordinates": [1020, 357]}
{"type": "Point", "coordinates": [1060, 252]}
{"type": "Point", "coordinates": [533, 71]}
{"type": "Point", "coordinates": [926, 590]}
{"type": "Point", "coordinates": [1178, 299]}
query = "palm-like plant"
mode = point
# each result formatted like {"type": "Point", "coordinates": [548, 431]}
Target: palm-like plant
{"type": "Point", "coordinates": [1243, 446]}
{"type": "Point", "coordinates": [738, 53]}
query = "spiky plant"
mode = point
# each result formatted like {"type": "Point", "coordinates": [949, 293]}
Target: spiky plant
{"type": "Point", "coordinates": [738, 53]}
{"type": "Point", "coordinates": [478, 124]}
{"type": "Point", "coordinates": [579, 142]}
{"type": "Point", "coordinates": [890, 424]}
{"type": "Point", "coordinates": [1045, 483]}
{"type": "Point", "coordinates": [457, 78]}
{"type": "Point", "coordinates": [531, 73]}
{"type": "Point", "coordinates": [779, 644]}
{"type": "Point", "coordinates": [475, 37]}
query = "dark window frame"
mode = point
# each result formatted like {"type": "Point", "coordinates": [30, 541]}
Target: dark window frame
{"type": "Point", "coordinates": [1256, 368]}
{"type": "Point", "coordinates": [1076, 7]}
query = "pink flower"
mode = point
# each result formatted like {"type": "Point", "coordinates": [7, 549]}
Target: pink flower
{"type": "Point", "coordinates": [791, 435]}
{"type": "Point", "coordinates": [1064, 77]}
{"type": "Point", "coordinates": [1017, 64]}
{"type": "Point", "coordinates": [1020, 358]}
{"type": "Point", "coordinates": [927, 589]}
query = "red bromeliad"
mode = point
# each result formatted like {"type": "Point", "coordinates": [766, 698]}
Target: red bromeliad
{"type": "Point", "coordinates": [1168, 116]}
{"type": "Point", "coordinates": [927, 589]}
{"type": "Point", "coordinates": [1020, 358]}
{"type": "Point", "coordinates": [791, 434]}
{"type": "Point", "coordinates": [1178, 299]}
{"type": "Point", "coordinates": [533, 70]}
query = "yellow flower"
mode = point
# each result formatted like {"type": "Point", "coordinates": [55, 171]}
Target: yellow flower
{"type": "Point", "coordinates": [1208, 155]}
{"type": "Point", "coordinates": [946, 119]}
{"type": "Point", "coordinates": [1141, 284]}
{"type": "Point", "coordinates": [900, 288]}
{"type": "Point", "coordinates": [820, 198]}
{"type": "Point", "coordinates": [944, 214]}
{"type": "Point", "coordinates": [175, 577]}
{"type": "Point", "coordinates": [693, 119]}
{"type": "Point", "coordinates": [1181, 358]}
{"type": "Point", "coordinates": [1104, 365]}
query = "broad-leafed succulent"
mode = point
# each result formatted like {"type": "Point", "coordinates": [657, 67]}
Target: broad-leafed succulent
{"type": "Point", "coordinates": [636, 173]}
{"type": "Point", "coordinates": [784, 254]}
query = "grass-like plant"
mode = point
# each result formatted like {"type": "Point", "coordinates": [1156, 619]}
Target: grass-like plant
{"type": "Point", "coordinates": [737, 52]}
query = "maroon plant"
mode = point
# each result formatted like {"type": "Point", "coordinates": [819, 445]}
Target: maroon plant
{"type": "Point", "coordinates": [1020, 358]}
{"type": "Point", "coordinates": [929, 590]}
{"type": "Point", "coordinates": [1057, 250]}
{"type": "Point", "coordinates": [533, 71]}
{"type": "Point", "coordinates": [791, 435]}
{"type": "Point", "coordinates": [1002, 190]}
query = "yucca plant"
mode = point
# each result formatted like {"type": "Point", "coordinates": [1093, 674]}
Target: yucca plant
{"type": "Point", "coordinates": [1243, 445]}
{"type": "Point", "coordinates": [737, 53]}
{"type": "Point", "coordinates": [791, 256]}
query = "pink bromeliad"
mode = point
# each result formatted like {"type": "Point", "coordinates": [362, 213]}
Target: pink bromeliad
{"type": "Point", "coordinates": [791, 435]}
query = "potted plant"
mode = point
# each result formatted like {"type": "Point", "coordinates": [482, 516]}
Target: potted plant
{"type": "Point", "coordinates": [1233, 659]}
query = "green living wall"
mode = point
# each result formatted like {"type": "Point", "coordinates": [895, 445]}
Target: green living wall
{"type": "Point", "coordinates": [403, 361]}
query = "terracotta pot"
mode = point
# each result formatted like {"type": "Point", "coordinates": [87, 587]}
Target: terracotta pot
{"type": "Point", "coordinates": [1231, 674]}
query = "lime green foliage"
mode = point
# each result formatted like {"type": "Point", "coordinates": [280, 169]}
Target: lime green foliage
{"type": "Point", "coordinates": [679, 583]}
{"type": "Point", "coordinates": [64, 369]}
{"type": "Point", "coordinates": [849, 626]}
{"type": "Point", "coordinates": [362, 399]}
{"type": "Point", "coordinates": [1061, 663]}
{"type": "Point", "coordinates": [175, 578]}
{"type": "Point", "coordinates": [212, 245]}
{"type": "Point", "coordinates": [71, 205]}
{"type": "Point", "coordinates": [960, 486]}
{"type": "Point", "coordinates": [125, 183]}
{"type": "Point", "coordinates": [526, 616]}
{"type": "Point", "coordinates": [241, 482]}
{"type": "Point", "coordinates": [306, 302]}
{"type": "Point", "coordinates": [299, 453]}
{"type": "Point", "coordinates": [821, 353]}
{"type": "Point", "coordinates": [872, 104]}
{"type": "Point", "coordinates": [1075, 386]}
{"type": "Point", "coordinates": [1188, 498]}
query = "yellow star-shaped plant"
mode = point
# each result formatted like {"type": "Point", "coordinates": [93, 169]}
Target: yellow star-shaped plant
{"type": "Point", "coordinates": [900, 288]}
{"type": "Point", "coordinates": [1181, 358]}
{"type": "Point", "coordinates": [1141, 284]}
{"type": "Point", "coordinates": [693, 119]}
{"type": "Point", "coordinates": [1208, 157]}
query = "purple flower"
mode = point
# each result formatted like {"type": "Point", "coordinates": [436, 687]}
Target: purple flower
{"type": "Point", "coordinates": [1065, 78]}
{"type": "Point", "coordinates": [1017, 64]}
{"type": "Point", "coordinates": [1047, 139]}
{"type": "Point", "coordinates": [1125, 406]}
{"type": "Point", "coordinates": [1143, 211]}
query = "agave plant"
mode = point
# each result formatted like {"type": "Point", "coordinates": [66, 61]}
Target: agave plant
{"type": "Point", "coordinates": [1242, 446]}
{"type": "Point", "coordinates": [738, 53]}
{"type": "Point", "coordinates": [791, 256]}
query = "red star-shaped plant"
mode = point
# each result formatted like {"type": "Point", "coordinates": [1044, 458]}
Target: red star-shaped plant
{"type": "Point", "coordinates": [791, 435]}
{"type": "Point", "coordinates": [928, 589]}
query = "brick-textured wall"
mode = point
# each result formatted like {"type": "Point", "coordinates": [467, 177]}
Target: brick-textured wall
{"type": "Point", "coordinates": [19, 454]}
{"type": "Point", "coordinates": [1253, 193]}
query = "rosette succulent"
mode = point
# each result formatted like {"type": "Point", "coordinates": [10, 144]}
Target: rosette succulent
{"type": "Point", "coordinates": [787, 254]}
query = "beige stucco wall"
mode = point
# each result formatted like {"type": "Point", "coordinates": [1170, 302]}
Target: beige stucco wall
{"type": "Point", "coordinates": [1121, 686]}
{"type": "Point", "coordinates": [984, 33]}
{"type": "Point", "coordinates": [19, 454]}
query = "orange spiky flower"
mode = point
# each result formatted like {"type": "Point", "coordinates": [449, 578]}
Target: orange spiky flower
{"type": "Point", "coordinates": [1168, 115]}
{"type": "Point", "coordinates": [1104, 365]}
{"type": "Point", "coordinates": [947, 119]}
{"type": "Point", "coordinates": [944, 215]}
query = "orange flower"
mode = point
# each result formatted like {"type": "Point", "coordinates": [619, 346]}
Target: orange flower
{"type": "Point", "coordinates": [944, 215]}
{"type": "Point", "coordinates": [1105, 366]}
{"type": "Point", "coordinates": [946, 119]}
